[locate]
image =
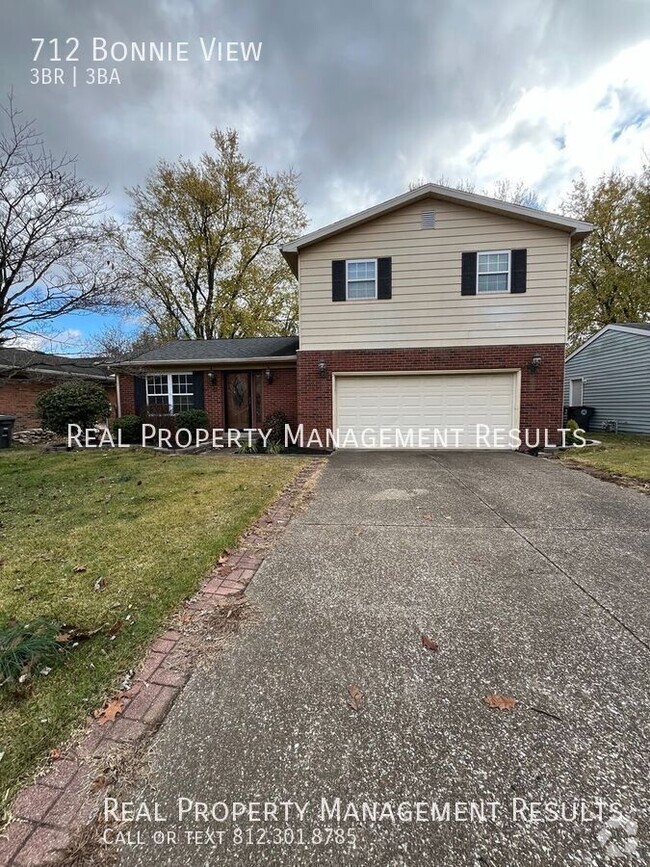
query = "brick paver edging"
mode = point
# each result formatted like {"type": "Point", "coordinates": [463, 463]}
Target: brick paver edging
{"type": "Point", "coordinates": [68, 795]}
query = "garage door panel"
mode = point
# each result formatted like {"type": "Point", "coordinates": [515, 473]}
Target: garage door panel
{"type": "Point", "coordinates": [424, 402]}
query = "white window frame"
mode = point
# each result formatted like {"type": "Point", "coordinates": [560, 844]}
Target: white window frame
{"type": "Point", "coordinates": [170, 392]}
{"type": "Point", "coordinates": [478, 274]}
{"type": "Point", "coordinates": [581, 380]}
{"type": "Point", "coordinates": [359, 262]}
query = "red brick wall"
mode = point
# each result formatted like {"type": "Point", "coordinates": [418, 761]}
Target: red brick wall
{"type": "Point", "coordinates": [541, 392]}
{"type": "Point", "coordinates": [18, 397]}
{"type": "Point", "coordinates": [214, 399]}
{"type": "Point", "coordinates": [127, 394]}
{"type": "Point", "coordinates": [281, 394]}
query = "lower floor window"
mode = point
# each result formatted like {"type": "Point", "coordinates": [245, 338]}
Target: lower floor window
{"type": "Point", "coordinates": [170, 392]}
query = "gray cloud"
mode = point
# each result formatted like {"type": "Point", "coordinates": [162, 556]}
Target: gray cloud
{"type": "Point", "coordinates": [358, 95]}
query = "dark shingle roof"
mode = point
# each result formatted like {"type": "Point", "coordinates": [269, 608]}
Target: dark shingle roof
{"type": "Point", "coordinates": [214, 350]}
{"type": "Point", "coordinates": [29, 360]}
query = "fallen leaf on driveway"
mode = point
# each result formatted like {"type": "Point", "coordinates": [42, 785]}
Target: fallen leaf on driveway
{"type": "Point", "coordinates": [54, 754]}
{"type": "Point", "coordinates": [356, 699]}
{"type": "Point", "coordinates": [429, 643]}
{"type": "Point", "coordinates": [111, 710]}
{"type": "Point", "coordinates": [428, 516]}
{"type": "Point", "coordinates": [500, 702]}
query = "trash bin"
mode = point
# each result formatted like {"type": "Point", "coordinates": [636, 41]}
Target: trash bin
{"type": "Point", "coordinates": [581, 414]}
{"type": "Point", "coordinates": [6, 429]}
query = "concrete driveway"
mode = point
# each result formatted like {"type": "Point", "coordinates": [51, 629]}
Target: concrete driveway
{"type": "Point", "coordinates": [533, 579]}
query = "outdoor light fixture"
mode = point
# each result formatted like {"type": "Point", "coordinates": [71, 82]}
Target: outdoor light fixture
{"type": "Point", "coordinates": [268, 373]}
{"type": "Point", "coordinates": [322, 367]}
{"type": "Point", "coordinates": [212, 377]}
{"type": "Point", "coordinates": [535, 363]}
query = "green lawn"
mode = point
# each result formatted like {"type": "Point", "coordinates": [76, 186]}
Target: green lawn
{"type": "Point", "coordinates": [150, 525]}
{"type": "Point", "coordinates": [623, 454]}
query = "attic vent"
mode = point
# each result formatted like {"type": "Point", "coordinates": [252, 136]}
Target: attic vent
{"type": "Point", "coordinates": [428, 220]}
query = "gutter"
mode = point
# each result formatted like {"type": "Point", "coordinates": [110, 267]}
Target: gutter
{"type": "Point", "coordinates": [205, 362]}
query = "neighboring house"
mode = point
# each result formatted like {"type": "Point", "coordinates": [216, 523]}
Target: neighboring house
{"type": "Point", "coordinates": [611, 373]}
{"type": "Point", "coordinates": [24, 374]}
{"type": "Point", "coordinates": [437, 308]}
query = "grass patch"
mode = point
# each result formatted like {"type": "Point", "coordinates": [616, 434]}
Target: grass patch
{"type": "Point", "coordinates": [143, 527]}
{"type": "Point", "coordinates": [623, 454]}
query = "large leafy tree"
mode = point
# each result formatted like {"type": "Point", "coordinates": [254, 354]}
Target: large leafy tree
{"type": "Point", "coordinates": [199, 253]}
{"type": "Point", "coordinates": [610, 271]}
{"type": "Point", "coordinates": [53, 246]}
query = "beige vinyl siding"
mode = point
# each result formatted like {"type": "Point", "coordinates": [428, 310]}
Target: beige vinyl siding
{"type": "Point", "coordinates": [427, 308]}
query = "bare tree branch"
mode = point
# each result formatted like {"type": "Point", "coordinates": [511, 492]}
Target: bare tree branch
{"type": "Point", "coordinates": [54, 255]}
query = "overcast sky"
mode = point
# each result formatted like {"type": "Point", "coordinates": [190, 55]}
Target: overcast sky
{"type": "Point", "coordinates": [359, 96]}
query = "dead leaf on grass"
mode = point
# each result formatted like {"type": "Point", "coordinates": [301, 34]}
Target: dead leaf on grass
{"type": "Point", "coordinates": [356, 699]}
{"type": "Point", "coordinates": [99, 584]}
{"type": "Point", "coordinates": [430, 643]}
{"type": "Point", "coordinates": [115, 628]}
{"type": "Point", "coordinates": [71, 633]}
{"type": "Point", "coordinates": [500, 702]}
{"type": "Point", "coordinates": [54, 754]}
{"type": "Point", "coordinates": [112, 709]}
{"type": "Point", "coordinates": [79, 569]}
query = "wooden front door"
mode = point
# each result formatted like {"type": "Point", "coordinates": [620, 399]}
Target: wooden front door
{"type": "Point", "coordinates": [244, 399]}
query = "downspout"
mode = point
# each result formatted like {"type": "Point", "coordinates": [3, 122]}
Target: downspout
{"type": "Point", "coordinates": [117, 394]}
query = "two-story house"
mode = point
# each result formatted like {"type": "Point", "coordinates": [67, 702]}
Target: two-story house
{"type": "Point", "coordinates": [436, 310]}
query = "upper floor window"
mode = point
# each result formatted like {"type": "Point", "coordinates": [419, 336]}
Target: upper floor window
{"type": "Point", "coordinates": [493, 272]}
{"type": "Point", "coordinates": [361, 279]}
{"type": "Point", "coordinates": [170, 392]}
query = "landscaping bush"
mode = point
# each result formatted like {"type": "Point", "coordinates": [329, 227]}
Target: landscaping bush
{"type": "Point", "coordinates": [572, 426]}
{"type": "Point", "coordinates": [81, 403]}
{"type": "Point", "coordinates": [275, 423]}
{"type": "Point", "coordinates": [192, 419]}
{"type": "Point", "coordinates": [131, 427]}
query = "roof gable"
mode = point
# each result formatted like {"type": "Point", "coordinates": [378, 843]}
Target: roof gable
{"type": "Point", "coordinates": [576, 229]}
{"type": "Point", "coordinates": [636, 328]}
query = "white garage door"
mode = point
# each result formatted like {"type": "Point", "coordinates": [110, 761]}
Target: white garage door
{"type": "Point", "coordinates": [426, 410]}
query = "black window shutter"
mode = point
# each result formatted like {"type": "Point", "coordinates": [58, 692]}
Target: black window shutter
{"type": "Point", "coordinates": [385, 277]}
{"type": "Point", "coordinates": [199, 400]}
{"type": "Point", "coordinates": [140, 394]}
{"type": "Point", "coordinates": [468, 278]}
{"type": "Point", "coordinates": [518, 266]}
{"type": "Point", "coordinates": [338, 280]}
